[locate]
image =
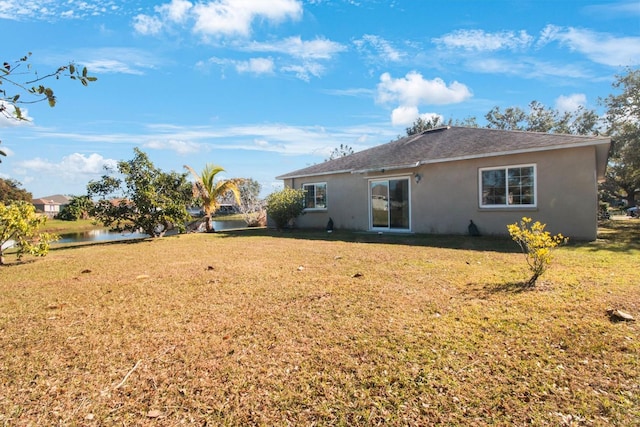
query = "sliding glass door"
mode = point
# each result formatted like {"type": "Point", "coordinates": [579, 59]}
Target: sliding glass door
{"type": "Point", "coordinates": [389, 204]}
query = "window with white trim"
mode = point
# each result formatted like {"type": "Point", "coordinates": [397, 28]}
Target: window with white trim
{"type": "Point", "coordinates": [315, 195]}
{"type": "Point", "coordinates": [509, 186]}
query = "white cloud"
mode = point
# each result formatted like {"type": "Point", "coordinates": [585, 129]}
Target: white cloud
{"type": "Point", "coordinates": [70, 166]}
{"type": "Point", "coordinates": [548, 34]}
{"type": "Point", "coordinates": [602, 48]}
{"type": "Point", "coordinates": [253, 65]}
{"type": "Point", "coordinates": [227, 17]}
{"type": "Point", "coordinates": [104, 66]}
{"type": "Point", "coordinates": [147, 25]}
{"type": "Point", "coordinates": [310, 53]}
{"type": "Point", "coordinates": [378, 49]}
{"type": "Point", "coordinates": [256, 66]}
{"type": "Point", "coordinates": [176, 11]}
{"type": "Point", "coordinates": [570, 103]}
{"type": "Point", "coordinates": [497, 66]}
{"type": "Point", "coordinates": [179, 146]}
{"type": "Point", "coordinates": [305, 71]}
{"type": "Point", "coordinates": [624, 8]}
{"type": "Point", "coordinates": [120, 60]}
{"type": "Point", "coordinates": [318, 48]}
{"type": "Point", "coordinates": [67, 174]}
{"type": "Point", "coordinates": [414, 90]}
{"type": "Point", "coordinates": [52, 10]}
{"type": "Point", "coordinates": [480, 41]}
{"type": "Point", "coordinates": [269, 137]}
{"type": "Point", "coordinates": [404, 115]}
{"type": "Point", "coordinates": [217, 17]}
{"type": "Point", "coordinates": [526, 67]}
{"type": "Point", "coordinates": [353, 92]}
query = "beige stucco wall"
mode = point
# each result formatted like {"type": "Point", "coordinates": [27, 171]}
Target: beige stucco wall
{"type": "Point", "coordinates": [446, 197]}
{"type": "Point", "coordinates": [347, 202]}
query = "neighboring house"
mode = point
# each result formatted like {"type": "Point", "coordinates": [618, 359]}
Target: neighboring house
{"type": "Point", "coordinates": [437, 181]}
{"type": "Point", "coordinates": [50, 205]}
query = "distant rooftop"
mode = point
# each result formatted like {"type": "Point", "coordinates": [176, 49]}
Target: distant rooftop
{"type": "Point", "coordinates": [56, 199]}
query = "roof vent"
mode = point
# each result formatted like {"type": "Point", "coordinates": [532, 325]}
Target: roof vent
{"type": "Point", "coordinates": [436, 129]}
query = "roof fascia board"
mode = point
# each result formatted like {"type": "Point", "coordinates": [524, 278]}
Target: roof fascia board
{"type": "Point", "coordinates": [512, 152]}
{"type": "Point", "coordinates": [306, 175]}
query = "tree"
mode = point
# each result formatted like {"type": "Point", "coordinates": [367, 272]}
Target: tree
{"type": "Point", "coordinates": [20, 85]}
{"type": "Point", "coordinates": [285, 205]}
{"type": "Point", "coordinates": [469, 122]}
{"type": "Point", "coordinates": [623, 119]}
{"type": "Point", "coordinates": [513, 118]}
{"type": "Point", "coordinates": [421, 124]}
{"type": "Point", "coordinates": [79, 207]}
{"type": "Point", "coordinates": [147, 198]}
{"type": "Point", "coordinates": [584, 122]}
{"type": "Point", "coordinates": [342, 151]}
{"type": "Point", "coordinates": [251, 206]}
{"type": "Point", "coordinates": [10, 191]}
{"type": "Point", "coordinates": [543, 119]}
{"type": "Point", "coordinates": [19, 226]}
{"type": "Point", "coordinates": [209, 191]}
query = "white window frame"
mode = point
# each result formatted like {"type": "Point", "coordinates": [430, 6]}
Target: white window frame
{"type": "Point", "coordinates": [507, 205]}
{"type": "Point", "coordinates": [315, 186]}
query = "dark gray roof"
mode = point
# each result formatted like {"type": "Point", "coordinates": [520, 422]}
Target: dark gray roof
{"type": "Point", "coordinates": [451, 143]}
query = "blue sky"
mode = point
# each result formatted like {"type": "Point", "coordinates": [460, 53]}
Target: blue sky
{"type": "Point", "coordinates": [265, 87]}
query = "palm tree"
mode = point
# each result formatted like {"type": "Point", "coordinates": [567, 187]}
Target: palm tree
{"type": "Point", "coordinates": [208, 190]}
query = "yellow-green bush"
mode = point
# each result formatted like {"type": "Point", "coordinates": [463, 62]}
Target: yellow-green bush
{"type": "Point", "coordinates": [19, 226]}
{"type": "Point", "coordinates": [536, 245]}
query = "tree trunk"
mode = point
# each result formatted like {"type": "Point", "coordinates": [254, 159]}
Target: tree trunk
{"type": "Point", "coordinates": [631, 195]}
{"type": "Point", "coordinates": [532, 281]}
{"type": "Point", "coordinates": [208, 224]}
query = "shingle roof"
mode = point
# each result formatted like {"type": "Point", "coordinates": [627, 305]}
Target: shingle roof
{"type": "Point", "coordinates": [57, 199]}
{"type": "Point", "coordinates": [451, 143]}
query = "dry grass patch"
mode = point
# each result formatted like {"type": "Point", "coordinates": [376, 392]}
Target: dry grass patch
{"type": "Point", "coordinates": [265, 328]}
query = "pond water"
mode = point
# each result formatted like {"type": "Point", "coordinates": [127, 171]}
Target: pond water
{"type": "Point", "coordinates": [106, 235]}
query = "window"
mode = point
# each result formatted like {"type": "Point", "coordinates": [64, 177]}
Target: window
{"type": "Point", "coordinates": [508, 186]}
{"type": "Point", "coordinates": [315, 195]}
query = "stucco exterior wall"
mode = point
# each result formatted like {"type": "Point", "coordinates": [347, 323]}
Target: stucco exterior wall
{"type": "Point", "coordinates": [566, 195]}
{"type": "Point", "coordinates": [347, 202]}
{"type": "Point", "coordinates": [447, 196]}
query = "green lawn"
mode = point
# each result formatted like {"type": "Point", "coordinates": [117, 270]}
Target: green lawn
{"type": "Point", "coordinates": [260, 327]}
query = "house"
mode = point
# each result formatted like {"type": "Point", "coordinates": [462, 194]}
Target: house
{"type": "Point", "coordinates": [50, 205]}
{"type": "Point", "coordinates": [437, 181]}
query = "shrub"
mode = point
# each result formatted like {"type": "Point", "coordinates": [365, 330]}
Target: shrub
{"type": "Point", "coordinates": [284, 206]}
{"type": "Point", "coordinates": [19, 226]}
{"type": "Point", "coordinates": [78, 208]}
{"type": "Point", "coordinates": [536, 245]}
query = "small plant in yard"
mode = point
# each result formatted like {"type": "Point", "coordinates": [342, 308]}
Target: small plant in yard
{"type": "Point", "coordinates": [285, 205]}
{"type": "Point", "coordinates": [536, 245]}
{"type": "Point", "coordinates": [19, 225]}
